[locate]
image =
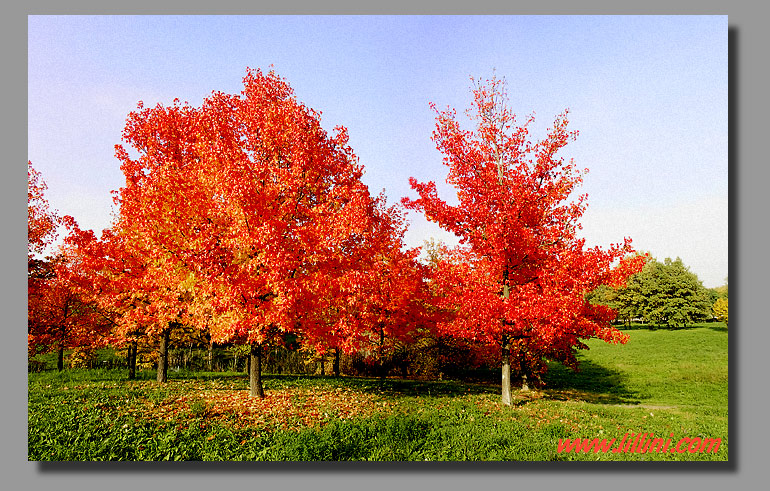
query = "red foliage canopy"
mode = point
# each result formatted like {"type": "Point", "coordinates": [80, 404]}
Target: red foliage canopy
{"type": "Point", "coordinates": [61, 314]}
{"type": "Point", "coordinates": [521, 272]}
{"type": "Point", "coordinates": [380, 300]}
{"type": "Point", "coordinates": [248, 204]}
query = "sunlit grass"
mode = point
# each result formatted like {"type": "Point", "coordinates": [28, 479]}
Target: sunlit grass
{"type": "Point", "coordinates": [662, 382]}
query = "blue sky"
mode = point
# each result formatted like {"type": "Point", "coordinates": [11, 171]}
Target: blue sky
{"type": "Point", "coordinates": [649, 95]}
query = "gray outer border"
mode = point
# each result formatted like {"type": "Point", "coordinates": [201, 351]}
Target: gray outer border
{"type": "Point", "coordinates": [748, 123]}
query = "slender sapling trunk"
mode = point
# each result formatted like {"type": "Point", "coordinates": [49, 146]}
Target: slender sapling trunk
{"type": "Point", "coordinates": [132, 349]}
{"type": "Point", "coordinates": [163, 357]}
{"type": "Point", "coordinates": [506, 378]}
{"type": "Point", "coordinates": [506, 352]}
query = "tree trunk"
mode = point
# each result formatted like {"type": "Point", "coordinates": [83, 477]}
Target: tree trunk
{"type": "Point", "coordinates": [255, 372]}
{"type": "Point", "coordinates": [524, 367]}
{"type": "Point", "coordinates": [336, 366]}
{"type": "Point", "coordinates": [211, 357]}
{"type": "Point", "coordinates": [163, 358]}
{"type": "Point", "coordinates": [132, 349]}
{"type": "Point", "coordinates": [383, 368]}
{"type": "Point", "coordinates": [506, 353]}
{"type": "Point", "coordinates": [506, 379]}
{"type": "Point", "coordinates": [60, 358]}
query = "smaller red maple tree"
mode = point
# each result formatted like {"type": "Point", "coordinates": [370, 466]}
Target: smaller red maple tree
{"type": "Point", "coordinates": [142, 296]}
{"type": "Point", "coordinates": [519, 277]}
{"type": "Point", "coordinates": [378, 302]}
{"type": "Point", "coordinates": [61, 314]}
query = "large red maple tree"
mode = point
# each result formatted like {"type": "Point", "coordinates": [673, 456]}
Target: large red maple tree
{"type": "Point", "coordinates": [518, 279]}
{"type": "Point", "coordinates": [251, 201]}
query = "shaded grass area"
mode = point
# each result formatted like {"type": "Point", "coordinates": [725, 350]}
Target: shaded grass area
{"type": "Point", "coordinates": [662, 382]}
{"type": "Point", "coordinates": [594, 383]}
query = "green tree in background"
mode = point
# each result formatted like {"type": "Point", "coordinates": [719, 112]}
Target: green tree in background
{"type": "Point", "coordinates": [663, 293]}
{"type": "Point", "coordinates": [719, 292]}
{"type": "Point", "coordinates": [627, 302]}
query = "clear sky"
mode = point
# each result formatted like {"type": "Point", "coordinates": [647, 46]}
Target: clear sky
{"type": "Point", "coordinates": [648, 94]}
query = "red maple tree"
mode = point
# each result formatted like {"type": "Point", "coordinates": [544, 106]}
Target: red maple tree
{"type": "Point", "coordinates": [141, 295]}
{"type": "Point", "coordinates": [247, 202]}
{"type": "Point", "coordinates": [55, 313]}
{"type": "Point", "coordinates": [378, 300]}
{"type": "Point", "coordinates": [518, 279]}
{"type": "Point", "coordinates": [60, 314]}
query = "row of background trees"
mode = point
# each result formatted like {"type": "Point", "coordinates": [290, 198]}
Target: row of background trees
{"type": "Point", "coordinates": [243, 224]}
{"type": "Point", "coordinates": [664, 293]}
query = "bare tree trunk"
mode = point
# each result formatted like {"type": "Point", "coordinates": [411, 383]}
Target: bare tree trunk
{"type": "Point", "coordinates": [60, 358]}
{"type": "Point", "coordinates": [255, 372]}
{"type": "Point", "coordinates": [211, 356]}
{"type": "Point", "coordinates": [132, 349]}
{"type": "Point", "coordinates": [336, 366]}
{"type": "Point", "coordinates": [383, 368]}
{"type": "Point", "coordinates": [506, 345]}
{"type": "Point", "coordinates": [506, 379]}
{"type": "Point", "coordinates": [524, 367]}
{"type": "Point", "coordinates": [163, 357]}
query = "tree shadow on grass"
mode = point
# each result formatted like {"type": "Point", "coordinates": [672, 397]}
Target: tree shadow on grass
{"type": "Point", "coordinates": [390, 387]}
{"type": "Point", "coordinates": [718, 327]}
{"type": "Point", "coordinates": [594, 383]}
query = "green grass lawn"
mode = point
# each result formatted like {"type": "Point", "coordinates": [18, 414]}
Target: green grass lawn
{"type": "Point", "coordinates": [663, 382]}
